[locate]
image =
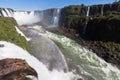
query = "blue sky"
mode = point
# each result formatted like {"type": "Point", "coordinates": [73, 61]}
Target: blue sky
{"type": "Point", "coordinates": [45, 4]}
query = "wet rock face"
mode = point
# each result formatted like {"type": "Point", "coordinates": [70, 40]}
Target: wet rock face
{"type": "Point", "coordinates": [15, 69]}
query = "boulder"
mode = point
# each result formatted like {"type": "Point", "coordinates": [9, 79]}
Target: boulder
{"type": "Point", "coordinates": [15, 69]}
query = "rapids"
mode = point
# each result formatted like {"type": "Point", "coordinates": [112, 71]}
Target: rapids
{"type": "Point", "coordinates": [46, 51]}
{"type": "Point", "coordinates": [81, 60]}
{"type": "Point", "coordinates": [10, 50]}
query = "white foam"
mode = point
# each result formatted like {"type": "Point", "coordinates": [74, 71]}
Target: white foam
{"type": "Point", "coordinates": [88, 61]}
{"type": "Point", "coordinates": [21, 33]}
{"type": "Point", "coordinates": [12, 51]}
{"type": "Point", "coordinates": [25, 18]}
{"type": "Point", "coordinates": [8, 12]}
{"type": "Point", "coordinates": [4, 13]}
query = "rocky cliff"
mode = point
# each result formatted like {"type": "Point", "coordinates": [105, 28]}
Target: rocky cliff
{"type": "Point", "coordinates": [99, 20]}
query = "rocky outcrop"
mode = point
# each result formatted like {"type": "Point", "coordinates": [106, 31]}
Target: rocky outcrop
{"type": "Point", "coordinates": [15, 69]}
{"type": "Point", "coordinates": [105, 28]}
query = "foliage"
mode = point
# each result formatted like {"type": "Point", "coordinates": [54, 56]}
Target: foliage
{"type": "Point", "coordinates": [73, 16]}
{"type": "Point", "coordinates": [105, 28]}
{"type": "Point", "coordinates": [114, 47]}
{"type": "Point", "coordinates": [9, 33]}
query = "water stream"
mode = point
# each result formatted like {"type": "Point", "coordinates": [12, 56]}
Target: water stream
{"type": "Point", "coordinates": [81, 60]}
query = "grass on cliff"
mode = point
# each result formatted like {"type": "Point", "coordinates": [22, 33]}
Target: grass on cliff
{"type": "Point", "coordinates": [9, 33]}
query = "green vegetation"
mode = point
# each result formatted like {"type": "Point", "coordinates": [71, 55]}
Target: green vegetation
{"type": "Point", "coordinates": [111, 46]}
{"type": "Point", "coordinates": [104, 28]}
{"type": "Point", "coordinates": [73, 12]}
{"type": "Point", "coordinates": [74, 16]}
{"type": "Point", "coordinates": [9, 33]}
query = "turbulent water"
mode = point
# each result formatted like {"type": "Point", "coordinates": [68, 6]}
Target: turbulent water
{"type": "Point", "coordinates": [12, 51]}
{"type": "Point", "coordinates": [81, 60]}
{"type": "Point", "coordinates": [46, 51]}
{"type": "Point", "coordinates": [23, 17]}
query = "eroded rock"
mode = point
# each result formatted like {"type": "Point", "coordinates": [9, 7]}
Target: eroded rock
{"type": "Point", "coordinates": [15, 69]}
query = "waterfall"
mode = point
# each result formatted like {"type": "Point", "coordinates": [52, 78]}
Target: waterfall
{"type": "Point", "coordinates": [5, 12]}
{"type": "Point", "coordinates": [88, 11]}
{"type": "Point", "coordinates": [12, 51]}
{"type": "Point", "coordinates": [26, 18]}
{"type": "Point", "coordinates": [9, 14]}
{"type": "Point", "coordinates": [85, 27]}
{"type": "Point", "coordinates": [84, 61]}
{"type": "Point", "coordinates": [102, 10]}
{"type": "Point", "coordinates": [56, 16]}
{"type": "Point", "coordinates": [49, 17]}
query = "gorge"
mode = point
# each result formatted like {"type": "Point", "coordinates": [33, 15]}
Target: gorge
{"type": "Point", "coordinates": [57, 57]}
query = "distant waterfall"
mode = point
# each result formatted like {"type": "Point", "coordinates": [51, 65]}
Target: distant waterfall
{"type": "Point", "coordinates": [5, 12]}
{"type": "Point", "coordinates": [25, 17]}
{"type": "Point", "coordinates": [56, 16]}
{"type": "Point", "coordinates": [49, 17]}
{"type": "Point", "coordinates": [85, 27]}
{"type": "Point", "coordinates": [102, 10]}
{"type": "Point", "coordinates": [88, 11]}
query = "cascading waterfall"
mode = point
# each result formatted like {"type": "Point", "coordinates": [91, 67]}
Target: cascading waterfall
{"type": "Point", "coordinates": [12, 51]}
{"type": "Point", "coordinates": [49, 17]}
{"type": "Point", "coordinates": [87, 62]}
{"type": "Point", "coordinates": [88, 11]}
{"type": "Point", "coordinates": [102, 10]}
{"type": "Point", "coordinates": [24, 17]}
{"type": "Point", "coordinates": [6, 12]}
{"type": "Point", "coordinates": [85, 27]}
{"type": "Point", "coordinates": [56, 16]}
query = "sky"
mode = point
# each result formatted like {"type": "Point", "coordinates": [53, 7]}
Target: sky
{"type": "Point", "coordinates": [45, 4]}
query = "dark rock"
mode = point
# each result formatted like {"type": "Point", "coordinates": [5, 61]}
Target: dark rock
{"type": "Point", "coordinates": [105, 28]}
{"type": "Point", "coordinates": [15, 69]}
